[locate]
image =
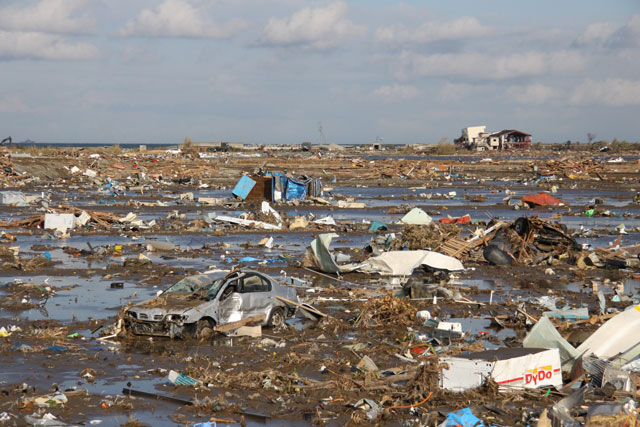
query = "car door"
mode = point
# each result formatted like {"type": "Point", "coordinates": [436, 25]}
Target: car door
{"type": "Point", "coordinates": [231, 302]}
{"type": "Point", "coordinates": [256, 293]}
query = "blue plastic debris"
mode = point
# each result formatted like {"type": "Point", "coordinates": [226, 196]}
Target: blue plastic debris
{"type": "Point", "coordinates": [57, 348]}
{"type": "Point", "coordinates": [252, 259]}
{"type": "Point", "coordinates": [18, 346]}
{"type": "Point", "coordinates": [243, 187]}
{"type": "Point", "coordinates": [581, 313]}
{"type": "Point", "coordinates": [47, 255]}
{"type": "Point", "coordinates": [462, 418]}
{"type": "Point", "coordinates": [178, 378]}
{"type": "Point", "coordinates": [295, 190]}
{"type": "Point", "coordinates": [207, 424]}
{"type": "Point", "coordinates": [377, 225]}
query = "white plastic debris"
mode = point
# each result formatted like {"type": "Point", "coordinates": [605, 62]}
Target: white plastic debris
{"type": "Point", "coordinates": [59, 221]}
{"type": "Point", "coordinates": [416, 216]}
{"type": "Point", "coordinates": [423, 315]}
{"type": "Point", "coordinates": [267, 209]}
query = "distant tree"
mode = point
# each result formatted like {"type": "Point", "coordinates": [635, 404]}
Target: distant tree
{"type": "Point", "coordinates": [591, 137]}
{"type": "Point", "coordinates": [445, 147]}
{"type": "Point", "coordinates": [189, 148]}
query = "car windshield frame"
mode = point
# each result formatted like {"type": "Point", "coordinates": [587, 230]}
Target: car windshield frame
{"type": "Point", "coordinates": [193, 284]}
{"type": "Point", "coordinates": [212, 288]}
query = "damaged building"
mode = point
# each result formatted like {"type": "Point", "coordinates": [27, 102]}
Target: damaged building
{"type": "Point", "coordinates": [478, 139]}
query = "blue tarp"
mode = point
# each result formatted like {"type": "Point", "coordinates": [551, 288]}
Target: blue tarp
{"type": "Point", "coordinates": [295, 190]}
{"type": "Point", "coordinates": [243, 187]}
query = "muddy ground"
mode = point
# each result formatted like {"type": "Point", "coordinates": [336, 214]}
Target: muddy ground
{"type": "Point", "coordinates": [63, 292]}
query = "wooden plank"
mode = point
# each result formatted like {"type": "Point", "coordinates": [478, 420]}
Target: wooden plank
{"type": "Point", "coordinates": [527, 315]}
{"type": "Point", "coordinates": [235, 325]}
{"type": "Point", "coordinates": [454, 246]}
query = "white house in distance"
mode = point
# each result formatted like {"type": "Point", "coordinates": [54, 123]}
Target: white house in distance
{"type": "Point", "coordinates": [472, 134]}
{"type": "Point", "coordinates": [477, 138]}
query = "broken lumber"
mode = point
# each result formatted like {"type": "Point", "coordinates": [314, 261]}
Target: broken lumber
{"type": "Point", "coordinates": [235, 325]}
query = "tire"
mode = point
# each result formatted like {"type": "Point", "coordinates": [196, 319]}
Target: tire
{"type": "Point", "coordinates": [521, 226]}
{"type": "Point", "coordinates": [276, 318]}
{"type": "Point", "coordinates": [204, 329]}
{"type": "Point", "coordinates": [496, 256]}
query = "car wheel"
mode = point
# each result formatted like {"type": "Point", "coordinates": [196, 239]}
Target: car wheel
{"type": "Point", "coordinates": [276, 319]}
{"type": "Point", "coordinates": [496, 256]}
{"type": "Point", "coordinates": [204, 329]}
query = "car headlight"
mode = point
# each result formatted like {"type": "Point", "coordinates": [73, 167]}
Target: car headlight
{"type": "Point", "coordinates": [175, 317]}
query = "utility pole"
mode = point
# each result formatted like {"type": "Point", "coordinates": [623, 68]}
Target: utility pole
{"type": "Point", "coordinates": [323, 140]}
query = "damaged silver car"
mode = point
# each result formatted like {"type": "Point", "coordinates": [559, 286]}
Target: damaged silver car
{"type": "Point", "coordinates": [199, 303]}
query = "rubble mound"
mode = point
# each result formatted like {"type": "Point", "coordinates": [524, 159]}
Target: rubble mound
{"type": "Point", "coordinates": [415, 237]}
{"type": "Point", "coordinates": [380, 311]}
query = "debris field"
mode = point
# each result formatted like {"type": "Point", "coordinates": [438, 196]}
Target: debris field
{"type": "Point", "coordinates": [343, 287]}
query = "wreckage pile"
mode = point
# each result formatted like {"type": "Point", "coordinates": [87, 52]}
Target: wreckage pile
{"type": "Point", "coordinates": [569, 168]}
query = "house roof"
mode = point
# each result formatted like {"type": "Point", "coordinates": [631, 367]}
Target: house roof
{"type": "Point", "coordinates": [509, 132]}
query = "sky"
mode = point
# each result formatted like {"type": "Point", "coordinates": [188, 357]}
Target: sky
{"type": "Point", "coordinates": [345, 72]}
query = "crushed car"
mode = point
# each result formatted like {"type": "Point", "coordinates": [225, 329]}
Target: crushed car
{"type": "Point", "coordinates": [198, 304]}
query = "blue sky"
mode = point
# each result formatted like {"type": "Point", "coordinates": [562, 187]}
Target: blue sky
{"type": "Point", "coordinates": [262, 71]}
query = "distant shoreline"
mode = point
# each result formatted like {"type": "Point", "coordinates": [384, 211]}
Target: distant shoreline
{"type": "Point", "coordinates": [88, 145]}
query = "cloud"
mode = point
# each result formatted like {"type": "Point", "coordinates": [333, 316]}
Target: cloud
{"type": "Point", "coordinates": [139, 54]}
{"type": "Point", "coordinates": [465, 27]}
{"type": "Point", "coordinates": [482, 66]}
{"type": "Point", "coordinates": [534, 94]}
{"type": "Point", "coordinates": [457, 91]}
{"type": "Point", "coordinates": [610, 92]}
{"type": "Point", "coordinates": [229, 84]}
{"type": "Point", "coordinates": [44, 46]}
{"type": "Point", "coordinates": [597, 33]}
{"type": "Point", "coordinates": [396, 92]}
{"type": "Point", "coordinates": [313, 28]}
{"type": "Point", "coordinates": [15, 104]}
{"type": "Point", "coordinates": [609, 35]}
{"type": "Point", "coordinates": [178, 18]}
{"type": "Point", "coordinates": [47, 16]}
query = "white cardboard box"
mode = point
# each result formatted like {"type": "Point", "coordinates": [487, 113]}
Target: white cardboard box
{"type": "Point", "coordinates": [511, 368]}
